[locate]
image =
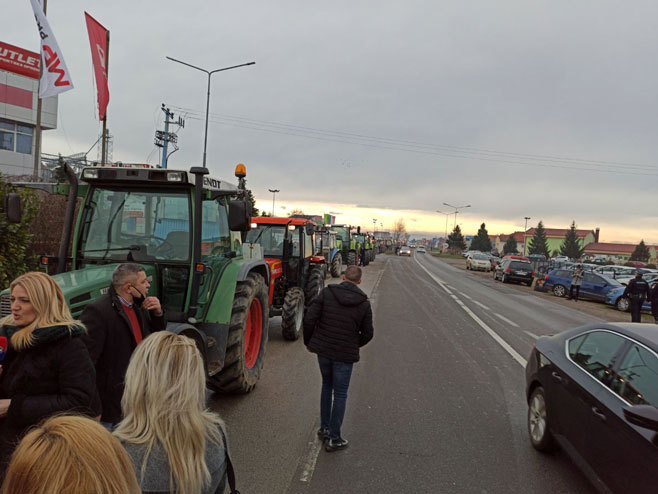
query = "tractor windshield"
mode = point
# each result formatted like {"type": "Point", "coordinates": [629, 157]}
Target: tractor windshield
{"type": "Point", "coordinates": [342, 232]}
{"type": "Point", "coordinates": [269, 237]}
{"type": "Point", "coordinates": [151, 225]}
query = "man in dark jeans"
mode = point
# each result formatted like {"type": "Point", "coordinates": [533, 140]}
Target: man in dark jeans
{"type": "Point", "coordinates": [336, 325]}
{"type": "Point", "coordinates": [637, 290]}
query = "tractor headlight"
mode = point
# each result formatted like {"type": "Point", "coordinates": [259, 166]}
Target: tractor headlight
{"type": "Point", "coordinates": [90, 173]}
{"type": "Point", "coordinates": [175, 177]}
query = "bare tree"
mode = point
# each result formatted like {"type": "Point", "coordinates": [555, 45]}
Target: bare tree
{"type": "Point", "coordinates": [399, 230]}
{"type": "Point", "coordinates": [295, 211]}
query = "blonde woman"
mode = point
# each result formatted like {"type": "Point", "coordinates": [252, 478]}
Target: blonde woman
{"type": "Point", "coordinates": [47, 368]}
{"type": "Point", "coordinates": [70, 455]}
{"type": "Point", "coordinates": [176, 444]}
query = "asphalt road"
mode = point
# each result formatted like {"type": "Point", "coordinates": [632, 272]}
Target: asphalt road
{"type": "Point", "coordinates": [436, 404]}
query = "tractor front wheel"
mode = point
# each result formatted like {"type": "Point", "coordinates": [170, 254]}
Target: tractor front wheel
{"type": "Point", "coordinates": [314, 285]}
{"type": "Point", "coordinates": [247, 338]}
{"type": "Point", "coordinates": [351, 258]}
{"type": "Point", "coordinates": [292, 314]}
{"type": "Point", "coordinates": [336, 265]}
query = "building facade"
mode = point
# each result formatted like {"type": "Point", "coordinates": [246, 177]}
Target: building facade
{"type": "Point", "coordinates": [19, 92]}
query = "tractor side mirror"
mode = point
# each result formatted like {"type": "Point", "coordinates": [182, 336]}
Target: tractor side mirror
{"type": "Point", "coordinates": [238, 216]}
{"type": "Point", "coordinates": [309, 229]}
{"type": "Point", "coordinates": [13, 208]}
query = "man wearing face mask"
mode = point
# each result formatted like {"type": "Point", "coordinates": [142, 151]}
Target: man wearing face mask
{"type": "Point", "coordinates": [116, 323]}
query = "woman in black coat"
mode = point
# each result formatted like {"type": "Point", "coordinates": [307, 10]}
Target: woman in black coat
{"type": "Point", "coordinates": [46, 368]}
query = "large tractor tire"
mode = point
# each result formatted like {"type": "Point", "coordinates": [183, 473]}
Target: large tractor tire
{"type": "Point", "coordinates": [337, 265]}
{"type": "Point", "coordinates": [292, 315]}
{"type": "Point", "coordinates": [315, 284]}
{"type": "Point", "coordinates": [374, 254]}
{"type": "Point", "coordinates": [247, 338]}
{"type": "Point", "coordinates": [351, 258]}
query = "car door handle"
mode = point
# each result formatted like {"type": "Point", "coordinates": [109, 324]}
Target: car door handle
{"type": "Point", "coordinates": [599, 413]}
{"type": "Point", "coordinates": [557, 377]}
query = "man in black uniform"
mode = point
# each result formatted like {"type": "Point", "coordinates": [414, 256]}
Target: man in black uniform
{"type": "Point", "coordinates": [636, 291]}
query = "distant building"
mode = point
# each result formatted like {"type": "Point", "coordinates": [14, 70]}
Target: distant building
{"type": "Point", "coordinates": [19, 86]}
{"type": "Point", "coordinates": [617, 252]}
{"type": "Point", "coordinates": [554, 238]}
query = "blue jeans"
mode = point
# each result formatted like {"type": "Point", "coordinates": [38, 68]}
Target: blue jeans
{"type": "Point", "coordinates": [335, 381]}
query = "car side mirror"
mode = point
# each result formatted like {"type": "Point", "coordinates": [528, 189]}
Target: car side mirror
{"type": "Point", "coordinates": [239, 219]}
{"type": "Point", "coordinates": [13, 208]}
{"type": "Point", "coordinates": [645, 416]}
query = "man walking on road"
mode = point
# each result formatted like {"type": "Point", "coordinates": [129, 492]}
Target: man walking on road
{"type": "Point", "coordinates": [337, 324]}
{"type": "Point", "coordinates": [636, 291]}
{"type": "Point", "coordinates": [116, 323]}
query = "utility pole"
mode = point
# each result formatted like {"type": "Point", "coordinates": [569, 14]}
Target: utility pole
{"type": "Point", "coordinates": [37, 127]}
{"type": "Point", "coordinates": [163, 138]}
{"type": "Point", "coordinates": [525, 230]}
{"type": "Point", "coordinates": [273, 191]}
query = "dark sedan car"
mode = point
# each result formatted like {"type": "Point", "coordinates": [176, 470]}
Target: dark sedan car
{"type": "Point", "coordinates": [593, 391]}
{"type": "Point", "coordinates": [514, 270]}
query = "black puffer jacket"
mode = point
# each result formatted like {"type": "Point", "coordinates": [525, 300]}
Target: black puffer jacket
{"type": "Point", "coordinates": [338, 323]}
{"type": "Point", "coordinates": [53, 375]}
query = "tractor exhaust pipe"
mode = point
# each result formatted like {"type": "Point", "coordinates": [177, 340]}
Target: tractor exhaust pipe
{"type": "Point", "coordinates": [68, 219]}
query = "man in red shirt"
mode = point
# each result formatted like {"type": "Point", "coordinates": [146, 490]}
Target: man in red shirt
{"type": "Point", "coordinates": [116, 323]}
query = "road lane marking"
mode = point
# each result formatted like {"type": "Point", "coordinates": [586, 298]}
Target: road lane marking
{"type": "Point", "coordinates": [512, 323]}
{"type": "Point", "coordinates": [311, 459]}
{"type": "Point", "coordinates": [465, 296]}
{"type": "Point", "coordinates": [481, 305]}
{"type": "Point", "coordinates": [513, 353]}
{"type": "Point", "coordinates": [532, 335]}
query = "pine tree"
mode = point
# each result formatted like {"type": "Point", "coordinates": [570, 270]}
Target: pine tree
{"type": "Point", "coordinates": [571, 246]}
{"type": "Point", "coordinates": [251, 199]}
{"type": "Point", "coordinates": [539, 243]}
{"type": "Point", "coordinates": [481, 242]}
{"type": "Point", "coordinates": [641, 252]}
{"type": "Point", "coordinates": [510, 246]}
{"type": "Point", "coordinates": [456, 240]}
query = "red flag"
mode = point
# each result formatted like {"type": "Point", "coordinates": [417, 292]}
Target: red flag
{"type": "Point", "coordinates": [98, 40]}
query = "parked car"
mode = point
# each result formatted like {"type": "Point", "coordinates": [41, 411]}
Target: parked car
{"type": "Point", "coordinates": [616, 297]}
{"type": "Point", "coordinates": [514, 270]}
{"type": "Point", "coordinates": [561, 259]}
{"type": "Point", "coordinates": [594, 286]}
{"type": "Point", "coordinates": [593, 391]}
{"type": "Point", "coordinates": [614, 271]}
{"type": "Point", "coordinates": [421, 250]}
{"type": "Point", "coordinates": [514, 256]}
{"type": "Point", "coordinates": [478, 262]}
{"type": "Point", "coordinates": [405, 251]}
{"type": "Point", "coordinates": [536, 257]}
{"type": "Point", "coordinates": [495, 261]}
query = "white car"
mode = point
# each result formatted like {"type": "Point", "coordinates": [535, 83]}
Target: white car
{"type": "Point", "coordinates": [405, 251]}
{"type": "Point", "coordinates": [421, 250]}
{"type": "Point", "coordinates": [478, 262]}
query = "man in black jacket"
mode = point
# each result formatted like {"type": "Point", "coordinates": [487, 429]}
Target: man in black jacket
{"type": "Point", "coordinates": [654, 301]}
{"type": "Point", "coordinates": [637, 290]}
{"type": "Point", "coordinates": [336, 325]}
{"type": "Point", "coordinates": [116, 323]}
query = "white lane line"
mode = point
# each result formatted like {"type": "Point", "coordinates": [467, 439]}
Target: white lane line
{"type": "Point", "coordinates": [511, 323]}
{"type": "Point", "coordinates": [311, 459]}
{"type": "Point", "coordinates": [513, 353]}
{"type": "Point", "coordinates": [465, 296]}
{"type": "Point", "coordinates": [532, 335]}
{"type": "Point", "coordinates": [481, 305]}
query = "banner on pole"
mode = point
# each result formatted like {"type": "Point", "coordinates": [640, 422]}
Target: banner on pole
{"type": "Point", "coordinates": [55, 76]}
{"type": "Point", "coordinates": [98, 43]}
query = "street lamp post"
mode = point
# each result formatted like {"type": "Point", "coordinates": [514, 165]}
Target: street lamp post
{"type": "Point", "coordinates": [209, 73]}
{"type": "Point", "coordinates": [525, 231]}
{"type": "Point", "coordinates": [456, 208]}
{"type": "Point", "coordinates": [273, 191]}
{"type": "Point", "coordinates": [445, 240]}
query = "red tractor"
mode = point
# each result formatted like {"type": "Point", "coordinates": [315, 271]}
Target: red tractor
{"type": "Point", "coordinates": [297, 275]}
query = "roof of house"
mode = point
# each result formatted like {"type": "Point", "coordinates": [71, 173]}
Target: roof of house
{"type": "Point", "coordinates": [518, 236]}
{"type": "Point", "coordinates": [610, 248]}
{"type": "Point", "coordinates": [559, 232]}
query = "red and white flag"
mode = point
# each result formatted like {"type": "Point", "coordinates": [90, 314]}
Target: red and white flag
{"type": "Point", "coordinates": [98, 43]}
{"type": "Point", "coordinates": [55, 76]}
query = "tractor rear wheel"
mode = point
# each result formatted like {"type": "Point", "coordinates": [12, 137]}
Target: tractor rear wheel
{"type": "Point", "coordinates": [351, 258]}
{"type": "Point", "coordinates": [292, 315]}
{"type": "Point", "coordinates": [336, 265]}
{"type": "Point", "coordinates": [247, 338]}
{"type": "Point", "coordinates": [315, 284]}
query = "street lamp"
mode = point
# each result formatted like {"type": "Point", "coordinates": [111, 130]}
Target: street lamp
{"type": "Point", "coordinates": [273, 191]}
{"type": "Point", "coordinates": [456, 208]}
{"type": "Point", "coordinates": [210, 73]}
{"type": "Point", "coordinates": [445, 238]}
{"type": "Point", "coordinates": [374, 225]}
{"type": "Point", "coordinates": [525, 231]}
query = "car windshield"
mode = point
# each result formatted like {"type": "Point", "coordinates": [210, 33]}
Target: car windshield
{"type": "Point", "coordinates": [480, 257]}
{"type": "Point", "coordinates": [148, 224]}
{"type": "Point", "coordinates": [269, 237]}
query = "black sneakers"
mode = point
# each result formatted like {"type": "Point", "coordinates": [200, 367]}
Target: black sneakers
{"type": "Point", "coordinates": [336, 444]}
{"type": "Point", "coordinates": [323, 433]}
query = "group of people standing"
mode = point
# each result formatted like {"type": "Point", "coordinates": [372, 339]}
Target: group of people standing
{"type": "Point", "coordinates": [109, 403]}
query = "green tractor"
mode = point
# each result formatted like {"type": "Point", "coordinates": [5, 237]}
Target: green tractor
{"type": "Point", "coordinates": [362, 247]}
{"type": "Point", "coordinates": [186, 228]}
{"type": "Point", "coordinates": [346, 243]}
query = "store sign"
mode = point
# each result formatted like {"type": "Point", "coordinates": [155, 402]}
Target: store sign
{"type": "Point", "coordinates": [19, 61]}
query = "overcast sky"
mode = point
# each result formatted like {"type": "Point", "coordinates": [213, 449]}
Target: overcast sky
{"type": "Point", "coordinates": [544, 109]}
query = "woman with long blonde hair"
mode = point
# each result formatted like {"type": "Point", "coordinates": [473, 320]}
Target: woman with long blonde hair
{"type": "Point", "coordinates": [46, 368]}
{"type": "Point", "coordinates": [176, 444]}
{"type": "Point", "coordinates": [70, 455]}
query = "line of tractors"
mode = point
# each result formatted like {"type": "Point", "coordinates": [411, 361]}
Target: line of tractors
{"type": "Point", "coordinates": [220, 274]}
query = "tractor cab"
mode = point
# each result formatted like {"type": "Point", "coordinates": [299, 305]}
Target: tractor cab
{"type": "Point", "coordinates": [346, 244]}
{"type": "Point", "coordinates": [326, 245]}
{"type": "Point", "coordinates": [297, 274]}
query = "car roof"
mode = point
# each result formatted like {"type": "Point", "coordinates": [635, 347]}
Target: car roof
{"type": "Point", "coordinates": [646, 334]}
